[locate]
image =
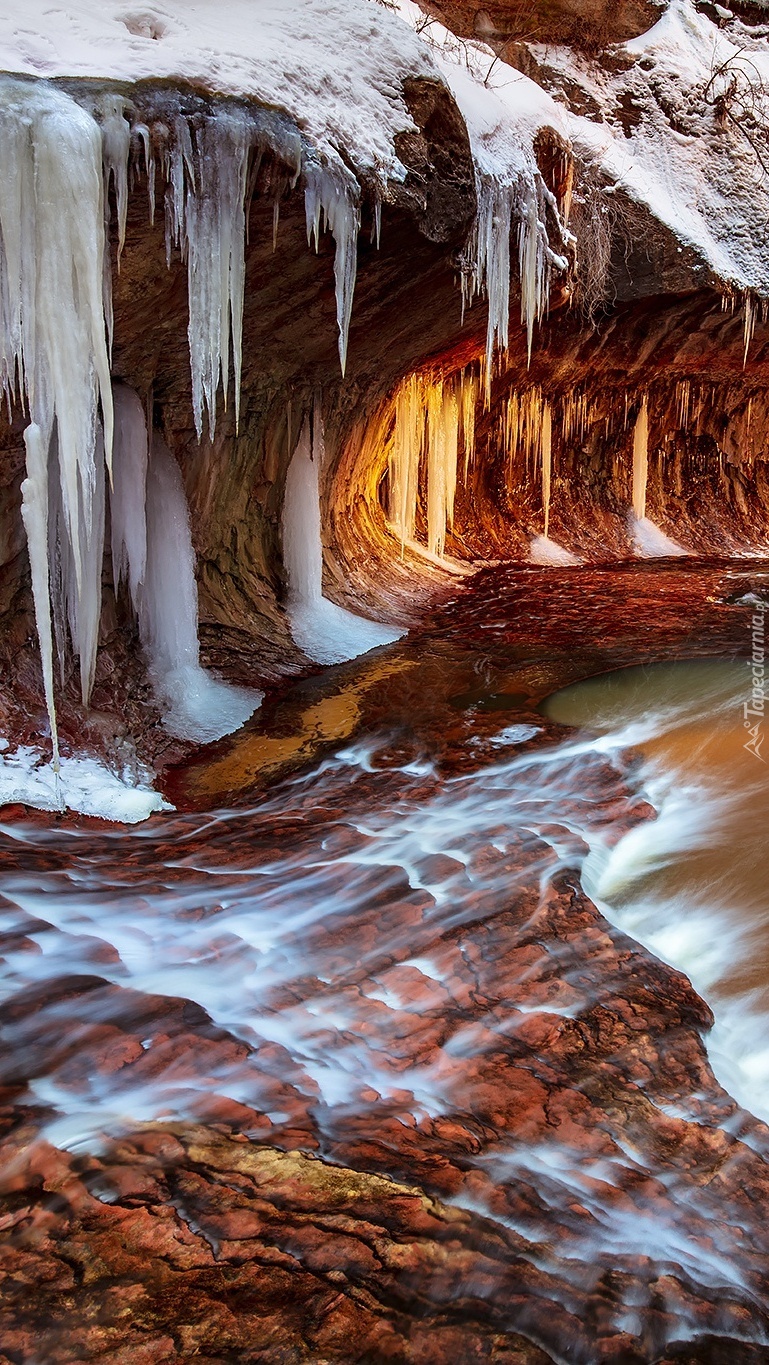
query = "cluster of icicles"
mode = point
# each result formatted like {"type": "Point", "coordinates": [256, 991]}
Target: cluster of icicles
{"type": "Point", "coordinates": [57, 161]}
{"type": "Point", "coordinates": [431, 437]}
{"type": "Point", "coordinates": [487, 265]}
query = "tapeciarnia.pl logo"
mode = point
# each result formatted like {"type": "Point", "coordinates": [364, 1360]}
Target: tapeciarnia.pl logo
{"type": "Point", "coordinates": [753, 710]}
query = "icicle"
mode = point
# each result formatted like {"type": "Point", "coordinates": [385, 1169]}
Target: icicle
{"type": "Point", "coordinates": [748, 324]}
{"type": "Point", "coordinates": [467, 402]}
{"type": "Point", "coordinates": [84, 601]}
{"type": "Point", "coordinates": [143, 132]}
{"type": "Point", "coordinates": [327, 633]}
{"type": "Point", "coordinates": [640, 461]}
{"type": "Point", "coordinates": [34, 512]}
{"type": "Point", "coordinates": [116, 146]}
{"type": "Point", "coordinates": [546, 464]}
{"type": "Point", "coordinates": [196, 706]}
{"type": "Point", "coordinates": [209, 223]}
{"type": "Point", "coordinates": [275, 222]}
{"type": "Point", "coordinates": [331, 201]}
{"type": "Point", "coordinates": [129, 492]}
{"type": "Point", "coordinates": [442, 448]}
{"type": "Point", "coordinates": [405, 456]}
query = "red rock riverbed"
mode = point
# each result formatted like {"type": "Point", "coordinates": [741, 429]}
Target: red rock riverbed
{"type": "Point", "coordinates": [339, 1063]}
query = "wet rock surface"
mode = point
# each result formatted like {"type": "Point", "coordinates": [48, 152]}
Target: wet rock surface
{"type": "Point", "coordinates": [355, 1071]}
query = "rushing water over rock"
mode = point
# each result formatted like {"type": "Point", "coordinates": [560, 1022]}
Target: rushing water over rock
{"type": "Point", "coordinates": [385, 960]}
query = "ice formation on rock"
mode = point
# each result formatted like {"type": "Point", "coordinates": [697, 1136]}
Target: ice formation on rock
{"type": "Point", "coordinates": [76, 783]}
{"type": "Point", "coordinates": [546, 551]}
{"type": "Point", "coordinates": [326, 632]}
{"type": "Point", "coordinates": [128, 511]}
{"type": "Point", "coordinates": [650, 542]}
{"type": "Point", "coordinates": [547, 459]}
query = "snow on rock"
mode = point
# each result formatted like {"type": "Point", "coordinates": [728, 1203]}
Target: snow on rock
{"type": "Point", "coordinates": [650, 541]}
{"type": "Point", "coordinates": [543, 550]}
{"type": "Point", "coordinates": [503, 111]}
{"type": "Point", "coordinates": [658, 137]}
{"type": "Point", "coordinates": [335, 66]}
{"type": "Point", "coordinates": [83, 784]}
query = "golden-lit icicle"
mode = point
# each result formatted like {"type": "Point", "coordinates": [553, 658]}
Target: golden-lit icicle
{"type": "Point", "coordinates": [748, 324]}
{"type": "Point", "coordinates": [513, 432]}
{"type": "Point", "coordinates": [468, 398]}
{"type": "Point", "coordinates": [450, 448]}
{"type": "Point", "coordinates": [547, 441]}
{"type": "Point", "coordinates": [683, 403]}
{"type": "Point", "coordinates": [405, 456]}
{"type": "Point", "coordinates": [437, 461]}
{"type": "Point", "coordinates": [640, 460]}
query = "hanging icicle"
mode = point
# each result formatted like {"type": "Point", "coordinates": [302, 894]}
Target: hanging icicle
{"type": "Point", "coordinates": [487, 259]}
{"type": "Point", "coordinates": [206, 219]}
{"type": "Point", "coordinates": [434, 418]}
{"type": "Point", "coordinates": [331, 199]}
{"type": "Point", "coordinates": [547, 455]}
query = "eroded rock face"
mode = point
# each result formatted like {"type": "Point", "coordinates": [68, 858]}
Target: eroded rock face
{"type": "Point", "coordinates": [588, 24]}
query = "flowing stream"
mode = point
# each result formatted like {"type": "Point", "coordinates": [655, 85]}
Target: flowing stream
{"type": "Point", "coordinates": [391, 947]}
{"type": "Point", "coordinates": [692, 885]}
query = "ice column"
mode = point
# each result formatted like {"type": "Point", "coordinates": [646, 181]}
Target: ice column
{"type": "Point", "coordinates": [433, 417]}
{"type": "Point", "coordinates": [331, 199]}
{"type": "Point", "coordinates": [442, 447]}
{"type": "Point", "coordinates": [196, 705]}
{"type": "Point", "coordinates": [52, 337]}
{"type": "Point", "coordinates": [327, 633]}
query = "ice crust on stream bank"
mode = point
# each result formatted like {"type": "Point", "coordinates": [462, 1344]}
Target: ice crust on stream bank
{"type": "Point", "coordinates": [84, 785]}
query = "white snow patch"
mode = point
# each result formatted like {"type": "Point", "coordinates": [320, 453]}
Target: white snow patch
{"type": "Point", "coordinates": [335, 66]}
{"type": "Point", "coordinates": [515, 734]}
{"type": "Point", "coordinates": [543, 550]}
{"type": "Point", "coordinates": [650, 541]}
{"type": "Point", "coordinates": [84, 785]}
{"type": "Point", "coordinates": [700, 180]}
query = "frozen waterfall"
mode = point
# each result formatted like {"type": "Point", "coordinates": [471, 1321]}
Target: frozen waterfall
{"type": "Point", "coordinates": [327, 633]}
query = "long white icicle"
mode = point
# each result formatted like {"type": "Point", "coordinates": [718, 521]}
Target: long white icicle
{"type": "Point", "coordinates": [53, 342]}
{"type": "Point", "coordinates": [331, 200]}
